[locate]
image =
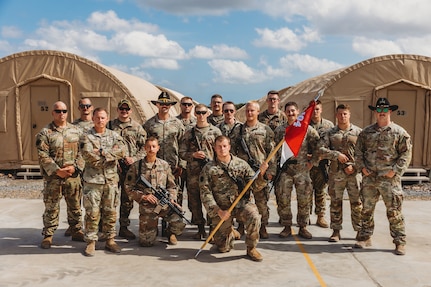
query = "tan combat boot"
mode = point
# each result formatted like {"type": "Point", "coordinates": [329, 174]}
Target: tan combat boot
{"type": "Point", "coordinates": [363, 243]}
{"type": "Point", "coordinates": [112, 246]}
{"type": "Point", "coordinates": [263, 233]}
{"type": "Point", "coordinates": [46, 242]}
{"type": "Point", "coordinates": [236, 234]}
{"type": "Point", "coordinates": [335, 237]}
{"type": "Point", "coordinates": [90, 250]}
{"type": "Point", "coordinates": [68, 232]}
{"type": "Point", "coordinates": [78, 236]}
{"type": "Point", "coordinates": [321, 222]}
{"type": "Point", "coordinates": [400, 249]}
{"type": "Point", "coordinates": [304, 233]}
{"type": "Point", "coordinates": [126, 233]}
{"type": "Point", "coordinates": [172, 240]}
{"type": "Point", "coordinates": [286, 232]}
{"type": "Point", "coordinates": [254, 254]}
{"type": "Point", "coordinates": [201, 234]}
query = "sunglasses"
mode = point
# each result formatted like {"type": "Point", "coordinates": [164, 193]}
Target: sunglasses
{"type": "Point", "coordinates": [124, 109]}
{"type": "Point", "coordinates": [200, 112]}
{"type": "Point", "coordinates": [379, 110]}
{"type": "Point", "coordinates": [186, 104]}
{"type": "Point", "coordinates": [228, 111]}
{"type": "Point", "coordinates": [82, 106]}
{"type": "Point", "coordinates": [60, 111]}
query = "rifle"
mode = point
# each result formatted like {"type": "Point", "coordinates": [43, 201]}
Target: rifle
{"type": "Point", "coordinates": [202, 161]}
{"type": "Point", "coordinates": [280, 170]}
{"type": "Point", "coordinates": [323, 166]}
{"type": "Point", "coordinates": [163, 196]}
{"type": "Point", "coordinates": [124, 168]}
{"type": "Point", "coordinates": [251, 161]}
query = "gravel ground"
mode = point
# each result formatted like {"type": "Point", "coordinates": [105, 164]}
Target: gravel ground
{"type": "Point", "coordinates": [10, 187]}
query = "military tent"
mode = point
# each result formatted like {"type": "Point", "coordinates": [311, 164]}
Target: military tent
{"type": "Point", "coordinates": [404, 79]}
{"type": "Point", "coordinates": [32, 81]}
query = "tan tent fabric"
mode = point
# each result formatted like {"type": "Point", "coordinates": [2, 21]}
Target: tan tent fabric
{"type": "Point", "coordinates": [404, 79]}
{"type": "Point", "coordinates": [32, 81]}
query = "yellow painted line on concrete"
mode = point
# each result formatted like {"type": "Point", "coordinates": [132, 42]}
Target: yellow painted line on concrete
{"type": "Point", "coordinates": [309, 261]}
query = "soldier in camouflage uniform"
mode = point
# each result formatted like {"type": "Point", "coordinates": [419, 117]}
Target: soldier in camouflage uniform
{"type": "Point", "coordinates": [186, 106]}
{"type": "Point", "coordinates": [189, 121]}
{"type": "Point", "coordinates": [319, 174]}
{"type": "Point", "coordinates": [295, 172]}
{"type": "Point", "coordinates": [221, 181]}
{"type": "Point", "coordinates": [61, 165]}
{"type": "Point", "coordinates": [272, 116]}
{"type": "Point", "coordinates": [229, 122]}
{"type": "Point", "coordinates": [134, 137]}
{"type": "Point", "coordinates": [85, 121]}
{"type": "Point", "coordinates": [216, 116]}
{"type": "Point", "coordinates": [338, 145]}
{"type": "Point", "coordinates": [197, 149]}
{"type": "Point", "coordinates": [169, 131]}
{"type": "Point", "coordinates": [258, 139]}
{"type": "Point", "coordinates": [158, 173]}
{"type": "Point", "coordinates": [383, 152]}
{"type": "Point", "coordinates": [101, 148]}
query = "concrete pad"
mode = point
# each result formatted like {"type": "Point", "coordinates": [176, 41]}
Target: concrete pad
{"type": "Point", "coordinates": [287, 262]}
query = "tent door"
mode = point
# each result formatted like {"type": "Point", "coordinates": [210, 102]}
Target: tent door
{"type": "Point", "coordinates": [405, 115]}
{"type": "Point", "coordinates": [42, 98]}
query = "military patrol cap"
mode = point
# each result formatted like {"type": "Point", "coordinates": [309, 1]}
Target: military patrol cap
{"type": "Point", "coordinates": [124, 102]}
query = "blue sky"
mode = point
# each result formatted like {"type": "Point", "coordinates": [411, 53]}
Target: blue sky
{"type": "Point", "coordinates": [237, 48]}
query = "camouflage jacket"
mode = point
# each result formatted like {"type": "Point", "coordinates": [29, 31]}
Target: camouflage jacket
{"type": "Point", "coordinates": [215, 120]}
{"type": "Point", "coordinates": [198, 139]}
{"type": "Point", "coordinates": [169, 134]}
{"type": "Point", "coordinates": [58, 147]}
{"type": "Point", "coordinates": [157, 173]}
{"type": "Point", "coordinates": [188, 123]}
{"type": "Point", "coordinates": [226, 129]}
{"type": "Point", "coordinates": [335, 142]}
{"type": "Point", "coordinates": [259, 140]}
{"type": "Point", "coordinates": [322, 126]}
{"type": "Point", "coordinates": [218, 188]}
{"type": "Point", "coordinates": [383, 149]}
{"type": "Point", "coordinates": [273, 121]}
{"type": "Point", "coordinates": [101, 152]}
{"type": "Point", "coordinates": [85, 126]}
{"type": "Point", "coordinates": [309, 146]}
{"type": "Point", "coordinates": [133, 135]}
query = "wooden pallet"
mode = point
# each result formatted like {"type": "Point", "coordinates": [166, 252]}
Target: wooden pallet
{"type": "Point", "coordinates": [30, 172]}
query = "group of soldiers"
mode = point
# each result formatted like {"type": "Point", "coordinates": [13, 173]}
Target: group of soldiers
{"type": "Point", "coordinates": [213, 156]}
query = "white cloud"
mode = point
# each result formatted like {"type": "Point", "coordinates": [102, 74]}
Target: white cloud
{"type": "Point", "coordinates": [309, 64]}
{"type": "Point", "coordinates": [235, 72]}
{"type": "Point", "coordinates": [285, 38]}
{"type": "Point", "coordinates": [218, 52]}
{"type": "Point", "coordinates": [168, 64]}
{"type": "Point", "coordinates": [11, 32]}
{"type": "Point", "coordinates": [109, 21]}
{"type": "Point", "coordinates": [373, 47]}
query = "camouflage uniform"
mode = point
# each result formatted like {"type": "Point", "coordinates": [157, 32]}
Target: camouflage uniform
{"type": "Point", "coordinates": [58, 147]}
{"type": "Point", "coordinates": [296, 172]}
{"type": "Point", "coordinates": [334, 142]}
{"type": "Point", "coordinates": [101, 153]}
{"type": "Point", "coordinates": [158, 173]}
{"type": "Point", "coordinates": [317, 177]}
{"type": "Point", "coordinates": [85, 126]}
{"type": "Point", "coordinates": [273, 121]}
{"type": "Point", "coordinates": [219, 190]}
{"type": "Point", "coordinates": [215, 120]}
{"type": "Point", "coordinates": [197, 139]}
{"type": "Point", "coordinates": [260, 142]}
{"type": "Point", "coordinates": [380, 150]}
{"type": "Point", "coordinates": [134, 137]}
{"type": "Point", "coordinates": [226, 129]}
{"type": "Point", "coordinates": [188, 123]}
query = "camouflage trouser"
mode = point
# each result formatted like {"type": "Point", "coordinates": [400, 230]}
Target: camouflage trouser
{"type": "Point", "coordinates": [100, 202]}
{"type": "Point", "coordinates": [319, 190]}
{"type": "Point", "coordinates": [261, 199]}
{"type": "Point", "coordinates": [194, 197]}
{"type": "Point", "coordinates": [338, 182]}
{"type": "Point", "coordinates": [392, 194]}
{"type": "Point", "coordinates": [249, 215]}
{"type": "Point", "coordinates": [283, 193]}
{"type": "Point", "coordinates": [126, 204]}
{"type": "Point", "coordinates": [54, 190]}
{"type": "Point", "coordinates": [148, 222]}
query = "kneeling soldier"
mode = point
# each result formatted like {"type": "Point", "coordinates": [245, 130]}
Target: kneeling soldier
{"type": "Point", "coordinates": [159, 174]}
{"type": "Point", "coordinates": [221, 181]}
